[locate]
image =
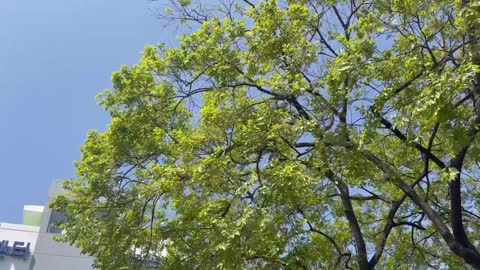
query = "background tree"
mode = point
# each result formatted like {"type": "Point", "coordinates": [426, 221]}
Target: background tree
{"type": "Point", "coordinates": [290, 135]}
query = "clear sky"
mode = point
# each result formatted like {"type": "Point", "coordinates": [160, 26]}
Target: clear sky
{"type": "Point", "coordinates": [55, 56]}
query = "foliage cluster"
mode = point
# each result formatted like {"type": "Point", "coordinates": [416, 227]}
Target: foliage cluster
{"type": "Point", "coordinates": [297, 134]}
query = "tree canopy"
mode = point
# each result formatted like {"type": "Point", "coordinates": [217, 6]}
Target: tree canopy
{"type": "Point", "coordinates": [297, 134]}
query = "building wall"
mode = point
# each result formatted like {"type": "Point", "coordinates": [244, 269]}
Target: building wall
{"type": "Point", "coordinates": [18, 232]}
{"type": "Point", "coordinates": [53, 255]}
{"type": "Point", "coordinates": [46, 253]}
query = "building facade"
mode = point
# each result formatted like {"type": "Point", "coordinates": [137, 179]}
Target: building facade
{"type": "Point", "coordinates": [30, 245]}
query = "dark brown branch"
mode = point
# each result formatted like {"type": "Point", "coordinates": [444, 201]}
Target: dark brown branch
{"type": "Point", "coordinates": [409, 82]}
{"type": "Point", "coordinates": [357, 198]}
{"type": "Point", "coordinates": [402, 137]}
{"type": "Point", "coordinates": [390, 224]}
{"type": "Point", "coordinates": [457, 162]}
{"type": "Point", "coordinates": [249, 3]}
{"type": "Point", "coordinates": [339, 17]}
{"type": "Point", "coordinates": [469, 255]}
{"type": "Point", "coordinates": [359, 241]}
{"type": "Point", "coordinates": [304, 144]}
{"type": "Point", "coordinates": [292, 100]}
{"type": "Point", "coordinates": [411, 224]}
{"type": "Point", "coordinates": [225, 211]}
{"type": "Point", "coordinates": [455, 191]}
{"type": "Point", "coordinates": [328, 237]}
{"type": "Point", "coordinates": [379, 248]}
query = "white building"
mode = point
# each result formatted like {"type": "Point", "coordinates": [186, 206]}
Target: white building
{"type": "Point", "coordinates": [30, 246]}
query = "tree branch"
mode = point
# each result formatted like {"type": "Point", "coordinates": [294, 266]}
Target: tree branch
{"type": "Point", "coordinates": [402, 137]}
{"type": "Point", "coordinates": [362, 259]}
{"type": "Point", "coordinates": [469, 255]}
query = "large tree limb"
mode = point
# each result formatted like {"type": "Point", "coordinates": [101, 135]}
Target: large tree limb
{"type": "Point", "coordinates": [469, 255]}
{"type": "Point", "coordinates": [457, 162]}
{"type": "Point", "coordinates": [362, 258]}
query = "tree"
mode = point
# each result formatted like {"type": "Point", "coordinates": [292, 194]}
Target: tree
{"type": "Point", "coordinates": [294, 134]}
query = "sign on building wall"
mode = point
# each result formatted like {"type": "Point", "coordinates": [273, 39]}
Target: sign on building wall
{"type": "Point", "coordinates": [18, 249]}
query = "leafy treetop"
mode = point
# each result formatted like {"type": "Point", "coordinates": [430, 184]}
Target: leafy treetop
{"type": "Point", "coordinates": [298, 134]}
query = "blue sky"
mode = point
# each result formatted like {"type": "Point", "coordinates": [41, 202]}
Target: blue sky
{"type": "Point", "coordinates": [55, 56]}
